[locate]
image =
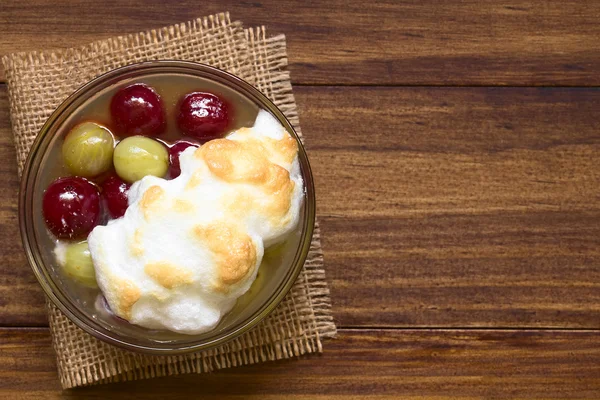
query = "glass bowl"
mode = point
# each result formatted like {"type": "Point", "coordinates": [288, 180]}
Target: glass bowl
{"type": "Point", "coordinates": [85, 306]}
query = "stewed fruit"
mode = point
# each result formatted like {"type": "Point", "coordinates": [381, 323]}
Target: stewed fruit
{"type": "Point", "coordinates": [106, 158]}
{"type": "Point", "coordinates": [174, 153]}
{"type": "Point", "coordinates": [88, 149]}
{"type": "Point", "coordinates": [138, 110]}
{"type": "Point", "coordinates": [203, 115]}
{"type": "Point", "coordinates": [71, 207]}
{"type": "Point", "coordinates": [138, 156]}
{"type": "Point", "coordinates": [115, 190]}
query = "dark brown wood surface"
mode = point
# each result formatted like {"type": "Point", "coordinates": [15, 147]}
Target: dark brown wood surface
{"type": "Point", "coordinates": [457, 42]}
{"type": "Point", "coordinates": [460, 224]}
{"type": "Point", "coordinates": [386, 364]}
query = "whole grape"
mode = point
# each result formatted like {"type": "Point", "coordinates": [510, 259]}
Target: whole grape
{"type": "Point", "coordinates": [77, 263]}
{"type": "Point", "coordinates": [88, 149]}
{"type": "Point", "coordinates": [138, 110]}
{"type": "Point", "coordinates": [203, 115]}
{"type": "Point", "coordinates": [71, 207]}
{"type": "Point", "coordinates": [138, 156]}
{"type": "Point", "coordinates": [114, 191]}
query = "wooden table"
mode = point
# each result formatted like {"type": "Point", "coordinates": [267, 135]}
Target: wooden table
{"type": "Point", "coordinates": [456, 152]}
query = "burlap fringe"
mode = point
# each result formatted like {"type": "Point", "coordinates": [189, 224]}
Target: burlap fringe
{"type": "Point", "coordinates": [303, 318]}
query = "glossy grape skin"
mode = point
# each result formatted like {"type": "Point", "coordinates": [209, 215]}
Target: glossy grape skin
{"type": "Point", "coordinates": [88, 149]}
{"type": "Point", "coordinates": [203, 115]}
{"type": "Point", "coordinates": [78, 264]}
{"type": "Point", "coordinates": [71, 207]}
{"type": "Point", "coordinates": [138, 110]}
{"type": "Point", "coordinates": [138, 156]}
{"type": "Point", "coordinates": [114, 191]}
{"type": "Point", "coordinates": [174, 152]}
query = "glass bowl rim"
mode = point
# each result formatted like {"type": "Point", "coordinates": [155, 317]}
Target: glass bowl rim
{"type": "Point", "coordinates": [54, 293]}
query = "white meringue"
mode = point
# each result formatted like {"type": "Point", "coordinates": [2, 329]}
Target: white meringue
{"type": "Point", "coordinates": [188, 248]}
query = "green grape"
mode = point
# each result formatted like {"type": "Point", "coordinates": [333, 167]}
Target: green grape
{"type": "Point", "coordinates": [138, 156]}
{"type": "Point", "coordinates": [77, 264]}
{"type": "Point", "coordinates": [88, 149]}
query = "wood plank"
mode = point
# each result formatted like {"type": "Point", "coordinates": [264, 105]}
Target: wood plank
{"type": "Point", "coordinates": [359, 364]}
{"type": "Point", "coordinates": [456, 42]}
{"type": "Point", "coordinates": [458, 206]}
{"type": "Point", "coordinates": [440, 207]}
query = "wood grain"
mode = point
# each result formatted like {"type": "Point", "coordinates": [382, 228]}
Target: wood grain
{"type": "Point", "coordinates": [382, 364]}
{"type": "Point", "coordinates": [461, 207]}
{"type": "Point", "coordinates": [458, 206]}
{"type": "Point", "coordinates": [449, 208]}
{"type": "Point", "coordinates": [455, 42]}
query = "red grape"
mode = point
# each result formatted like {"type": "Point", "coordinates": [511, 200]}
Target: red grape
{"type": "Point", "coordinates": [174, 152]}
{"type": "Point", "coordinates": [71, 207]}
{"type": "Point", "coordinates": [138, 110]}
{"type": "Point", "coordinates": [115, 192]}
{"type": "Point", "coordinates": [203, 115]}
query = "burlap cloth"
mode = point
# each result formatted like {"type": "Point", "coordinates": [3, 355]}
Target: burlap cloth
{"type": "Point", "coordinates": [39, 81]}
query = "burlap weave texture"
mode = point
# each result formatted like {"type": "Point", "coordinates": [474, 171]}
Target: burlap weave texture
{"type": "Point", "coordinates": [38, 82]}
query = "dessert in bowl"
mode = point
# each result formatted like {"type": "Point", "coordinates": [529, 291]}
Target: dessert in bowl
{"type": "Point", "coordinates": [167, 207]}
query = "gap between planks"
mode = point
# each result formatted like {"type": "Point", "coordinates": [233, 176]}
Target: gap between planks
{"type": "Point", "coordinates": [356, 328]}
{"type": "Point", "coordinates": [400, 86]}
